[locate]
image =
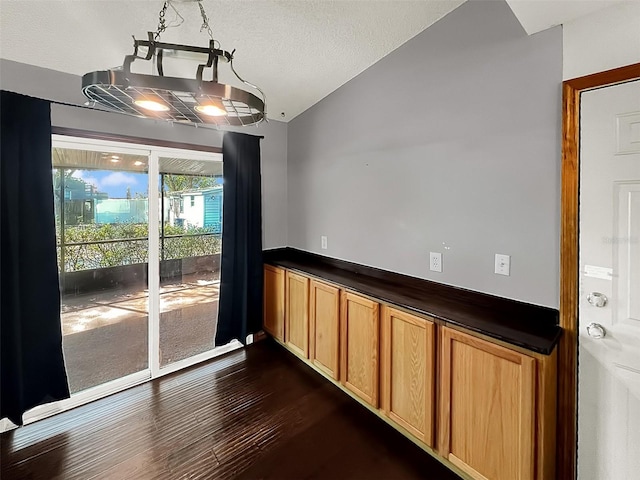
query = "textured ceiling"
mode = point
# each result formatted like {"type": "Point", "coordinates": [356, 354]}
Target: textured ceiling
{"type": "Point", "coordinates": [538, 15]}
{"type": "Point", "coordinates": [297, 51]}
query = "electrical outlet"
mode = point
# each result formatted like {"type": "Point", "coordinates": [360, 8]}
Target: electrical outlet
{"type": "Point", "coordinates": [435, 261]}
{"type": "Point", "coordinates": [503, 264]}
{"type": "Point", "coordinates": [323, 242]}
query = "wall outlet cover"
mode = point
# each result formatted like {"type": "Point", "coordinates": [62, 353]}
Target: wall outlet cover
{"type": "Point", "coordinates": [435, 261]}
{"type": "Point", "coordinates": [323, 242]}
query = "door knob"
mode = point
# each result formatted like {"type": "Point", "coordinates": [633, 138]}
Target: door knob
{"type": "Point", "coordinates": [595, 330]}
{"type": "Point", "coordinates": [597, 299]}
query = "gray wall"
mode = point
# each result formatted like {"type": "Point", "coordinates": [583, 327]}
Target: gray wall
{"type": "Point", "coordinates": [64, 87]}
{"type": "Point", "coordinates": [450, 144]}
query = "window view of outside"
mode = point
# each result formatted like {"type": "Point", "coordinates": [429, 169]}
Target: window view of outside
{"type": "Point", "coordinates": [190, 247]}
{"type": "Point", "coordinates": [102, 208]}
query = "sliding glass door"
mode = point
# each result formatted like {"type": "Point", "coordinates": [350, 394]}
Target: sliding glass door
{"type": "Point", "coordinates": [101, 205]}
{"type": "Point", "coordinates": [190, 246]}
{"type": "Point", "coordinates": [135, 304]}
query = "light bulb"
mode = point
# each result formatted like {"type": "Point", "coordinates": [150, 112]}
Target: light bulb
{"type": "Point", "coordinates": [211, 110]}
{"type": "Point", "coordinates": [152, 105]}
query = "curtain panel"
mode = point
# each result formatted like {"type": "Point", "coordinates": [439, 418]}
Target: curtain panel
{"type": "Point", "coordinates": [241, 277]}
{"type": "Point", "coordinates": [32, 370]}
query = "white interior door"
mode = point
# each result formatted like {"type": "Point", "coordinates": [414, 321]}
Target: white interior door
{"type": "Point", "coordinates": [609, 367]}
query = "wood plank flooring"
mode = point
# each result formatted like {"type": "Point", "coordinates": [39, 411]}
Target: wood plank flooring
{"type": "Point", "coordinates": [257, 413]}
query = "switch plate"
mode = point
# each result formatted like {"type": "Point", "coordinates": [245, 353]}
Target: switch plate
{"type": "Point", "coordinates": [435, 262]}
{"type": "Point", "coordinates": [503, 264]}
{"type": "Point", "coordinates": [323, 242]}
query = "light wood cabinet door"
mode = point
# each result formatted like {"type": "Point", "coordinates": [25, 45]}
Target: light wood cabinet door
{"type": "Point", "coordinates": [487, 408]}
{"type": "Point", "coordinates": [324, 327]}
{"type": "Point", "coordinates": [359, 344]}
{"type": "Point", "coordinates": [408, 371]}
{"type": "Point", "coordinates": [297, 313]}
{"type": "Point", "coordinates": [273, 321]}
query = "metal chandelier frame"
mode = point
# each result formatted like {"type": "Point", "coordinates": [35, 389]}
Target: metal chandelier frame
{"type": "Point", "coordinates": [178, 99]}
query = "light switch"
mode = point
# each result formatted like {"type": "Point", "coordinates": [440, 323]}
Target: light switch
{"type": "Point", "coordinates": [503, 264]}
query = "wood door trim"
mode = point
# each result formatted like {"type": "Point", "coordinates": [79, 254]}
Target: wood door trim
{"type": "Point", "coordinates": [569, 276]}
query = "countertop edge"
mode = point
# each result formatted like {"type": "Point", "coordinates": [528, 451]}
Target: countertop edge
{"type": "Point", "coordinates": [542, 344]}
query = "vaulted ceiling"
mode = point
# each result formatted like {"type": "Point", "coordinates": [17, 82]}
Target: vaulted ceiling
{"type": "Point", "coordinates": [297, 51]}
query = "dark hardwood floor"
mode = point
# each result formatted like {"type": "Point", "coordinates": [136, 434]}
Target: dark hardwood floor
{"type": "Point", "coordinates": [257, 413]}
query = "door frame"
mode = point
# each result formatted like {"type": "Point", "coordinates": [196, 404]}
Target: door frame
{"type": "Point", "coordinates": [567, 439]}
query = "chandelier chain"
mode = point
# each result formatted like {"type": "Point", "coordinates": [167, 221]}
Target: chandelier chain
{"type": "Point", "coordinates": [162, 24]}
{"type": "Point", "coordinates": [205, 20]}
{"type": "Point", "coordinates": [191, 101]}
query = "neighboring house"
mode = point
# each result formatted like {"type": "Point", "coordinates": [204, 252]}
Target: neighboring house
{"type": "Point", "coordinates": [122, 210]}
{"type": "Point", "coordinates": [80, 199]}
{"type": "Point", "coordinates": [195, 208]}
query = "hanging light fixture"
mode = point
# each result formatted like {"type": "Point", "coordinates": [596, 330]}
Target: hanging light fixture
{"type": "Point", "coordinates": [194, 101]}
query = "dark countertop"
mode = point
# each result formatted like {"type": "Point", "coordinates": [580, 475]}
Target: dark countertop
{"type": "Point", "coordinates": [529, 326]}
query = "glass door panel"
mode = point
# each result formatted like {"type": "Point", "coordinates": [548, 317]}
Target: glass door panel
{"type": "Point", "coordinates": [101, 208]}
{"type": "Point", "coordinates": [190, 247]}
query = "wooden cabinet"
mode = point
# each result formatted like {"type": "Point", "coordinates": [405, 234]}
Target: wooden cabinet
{"type": "Point", "coordinates": [408, 372]}
{"type": "Point", "coordinates": [297, 313]}
{"type": "Point", "coordinates": [324, 327]}
{"type": "Point", "coordinates": [359, 337]}
{"type": "Point", "coordinates": [273, 321]}
{"type": "Point", "coordinates": [487, 408]}
{"type": "Point", "coordinates": [496, 403]}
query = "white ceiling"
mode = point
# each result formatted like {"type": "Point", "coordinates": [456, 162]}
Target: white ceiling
{"type": "Point", "coordinates": [297, 51]}
{"type": "Point", "coordinates": [538, 15]}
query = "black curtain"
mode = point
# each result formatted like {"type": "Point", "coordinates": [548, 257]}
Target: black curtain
{"type": "Point", "coordinates": [32, 366]}
{"type": "Point", "coordinates": [240, 304]}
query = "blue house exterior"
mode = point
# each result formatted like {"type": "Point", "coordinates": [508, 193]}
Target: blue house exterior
{"type": "Point", "coordinates": [213, 209]}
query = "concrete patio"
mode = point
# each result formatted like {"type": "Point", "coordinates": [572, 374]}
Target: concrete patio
{"type": "Point", "coordinates": [105, 333]}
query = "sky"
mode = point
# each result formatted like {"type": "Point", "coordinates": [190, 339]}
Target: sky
{"type": "Point", "coordinates": [115, 183]}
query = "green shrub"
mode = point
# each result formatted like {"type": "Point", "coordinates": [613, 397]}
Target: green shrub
{"type": "Point", "coordinates": [112, 245]}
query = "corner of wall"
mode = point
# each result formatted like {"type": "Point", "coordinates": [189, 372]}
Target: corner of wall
{"type": "Point", "coordinates": [603, 40]}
